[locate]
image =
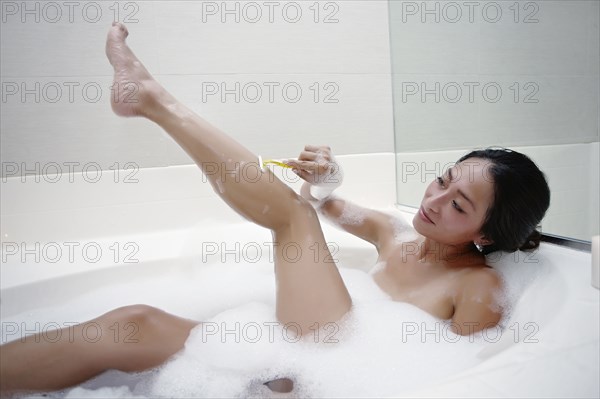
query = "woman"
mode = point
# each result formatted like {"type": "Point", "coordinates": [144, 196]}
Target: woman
{"type": "Point", "coordinates": [492, 199]}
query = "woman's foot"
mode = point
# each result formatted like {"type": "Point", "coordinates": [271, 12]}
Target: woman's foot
{"type": "Point", "coordinates": [134, 90]}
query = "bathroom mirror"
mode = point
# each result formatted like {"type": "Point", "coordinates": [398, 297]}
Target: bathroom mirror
{"type": "Point", "coordinates": [516, 74]}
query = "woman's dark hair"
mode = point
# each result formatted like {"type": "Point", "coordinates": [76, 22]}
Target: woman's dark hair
{"type": "Point", "coordinates": [521, 199]}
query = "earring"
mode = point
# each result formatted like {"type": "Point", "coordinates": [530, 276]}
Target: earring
{"type": "Point", "coordinates": [479, 246]}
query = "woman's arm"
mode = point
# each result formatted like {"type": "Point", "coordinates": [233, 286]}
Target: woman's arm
{"type": "Point", "coordinates": [316, 165]}
{"type": "Point", "coordinates": [373, 226]}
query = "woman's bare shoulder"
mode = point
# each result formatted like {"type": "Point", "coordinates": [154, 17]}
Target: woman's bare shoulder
{"type": "Point", "coordinates": [477, 303]}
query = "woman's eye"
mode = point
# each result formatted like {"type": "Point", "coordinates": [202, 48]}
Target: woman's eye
{"type": "Point", "coordinates": [455, 205]}
{"type": "Point", "coordinates": [440, 181]}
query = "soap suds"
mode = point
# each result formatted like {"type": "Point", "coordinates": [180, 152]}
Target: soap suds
{"type": "Point", "coordinates": [380, 348]}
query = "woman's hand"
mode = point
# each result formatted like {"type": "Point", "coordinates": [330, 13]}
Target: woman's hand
{"type": "Point", "coordinates": [316, 165]}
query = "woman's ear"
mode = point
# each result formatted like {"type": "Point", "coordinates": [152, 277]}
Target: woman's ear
{"type": "Point", "coordinates": [483, 240]}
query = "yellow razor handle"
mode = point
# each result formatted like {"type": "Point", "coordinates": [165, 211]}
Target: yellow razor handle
{"type": "Point", "coordinates": [274, 162]}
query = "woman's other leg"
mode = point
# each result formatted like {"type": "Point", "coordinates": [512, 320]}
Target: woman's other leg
{"type": "Point", "coordinates": [309, 287]}
{"type": "Point", "coordinates": [131, 338]}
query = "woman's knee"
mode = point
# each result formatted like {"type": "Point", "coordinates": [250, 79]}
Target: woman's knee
{"type": "Point", "coordinates": [138, 312]}
{"type": "Point", "coordinates": [147, 336]}
{"type": "Point", "coordinates": [299, 213]}
{"type": "Point", "coordinates": [137, 316]}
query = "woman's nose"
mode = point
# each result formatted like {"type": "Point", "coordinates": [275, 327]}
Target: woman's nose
{"type": "Point", "coordinates": [435, 201]}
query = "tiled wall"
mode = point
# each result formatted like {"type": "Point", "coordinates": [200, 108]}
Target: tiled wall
{"type": "Point", "coordinates": [510, 73]}
{"type": "Point", "coordinates": [326, 62]}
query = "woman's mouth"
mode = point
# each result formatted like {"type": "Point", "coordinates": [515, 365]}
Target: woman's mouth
{"type": "Point", "coordinates": [424, 216]}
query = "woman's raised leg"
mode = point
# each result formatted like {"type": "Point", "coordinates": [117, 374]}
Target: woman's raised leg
{"type": "Point", "coordinates": [309, 287]}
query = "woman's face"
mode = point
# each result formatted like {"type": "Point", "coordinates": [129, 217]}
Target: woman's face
{"type": "Point", "coordinates": [456, 203]}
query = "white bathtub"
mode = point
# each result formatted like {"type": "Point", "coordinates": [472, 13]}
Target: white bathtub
{"type": "Point", "coordinates": [161, 221]}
